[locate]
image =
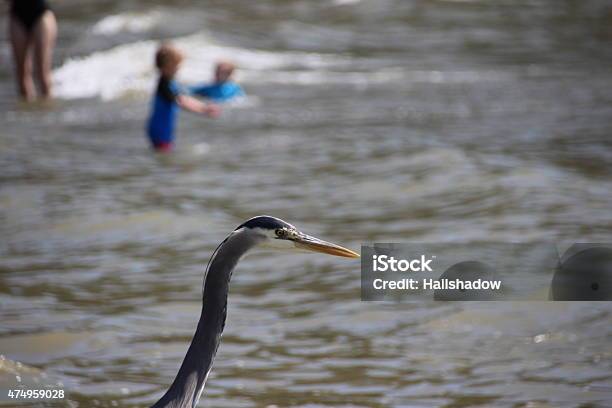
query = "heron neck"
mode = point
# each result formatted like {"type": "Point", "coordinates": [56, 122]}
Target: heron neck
{"type": "Point", "coordinates": [189, 383]}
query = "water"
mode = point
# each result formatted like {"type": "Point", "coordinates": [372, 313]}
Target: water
{"type": "Point", "coordinates": [423, 121]}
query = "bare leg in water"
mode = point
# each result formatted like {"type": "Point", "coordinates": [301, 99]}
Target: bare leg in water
{"type": "Point", "coordinates": [35, 47]}
{"type": "Point", "coordinates": [44, 33]}
{"type": "Point", "coordinates": [23, 58]}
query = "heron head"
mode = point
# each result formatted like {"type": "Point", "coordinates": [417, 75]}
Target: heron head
{"type": "Point", "coordinates": [272, 232]}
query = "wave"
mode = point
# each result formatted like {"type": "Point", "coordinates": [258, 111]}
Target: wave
{"type": "Point", "coordinates": [385, 75]}
{"type": "Point", "coordinates": [128, 22]}
{"type": "Point", "coordinates": [128, 68]}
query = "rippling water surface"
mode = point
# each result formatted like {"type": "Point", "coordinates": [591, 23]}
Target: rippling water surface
{"type": "Point", "coordinates": [367, 121]}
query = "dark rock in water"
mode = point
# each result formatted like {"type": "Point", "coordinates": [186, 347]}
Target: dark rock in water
{"type": "Point", "coordinates": [586, 274]}
{"type": "Point", "coordinates": [466, 271]}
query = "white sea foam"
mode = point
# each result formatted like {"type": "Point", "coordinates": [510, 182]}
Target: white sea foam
{"type": "Point", "coordinates": [106, 74]}
{"type": "Point", "coordinates": [127, 22]}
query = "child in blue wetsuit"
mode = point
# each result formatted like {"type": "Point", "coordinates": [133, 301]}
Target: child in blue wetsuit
{"type": "Point", "coordinates": [169, 98]}
{"type": "Point", "coordinates": [223, 89]}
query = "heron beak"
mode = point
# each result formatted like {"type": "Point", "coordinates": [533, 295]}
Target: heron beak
{"type": "Point", "coordinates": [316, 245]}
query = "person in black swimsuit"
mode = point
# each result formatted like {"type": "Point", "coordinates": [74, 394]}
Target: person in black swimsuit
{"type": "Point", "coordinates": [33, 30]}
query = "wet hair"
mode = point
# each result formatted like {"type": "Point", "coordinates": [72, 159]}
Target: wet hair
{"type": "Point", "coordinates": [167, 53]}
{"type": "Point", "coordinates": [225, 65]}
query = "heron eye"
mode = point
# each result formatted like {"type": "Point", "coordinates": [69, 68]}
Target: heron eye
{"type": "Point", "coordinates": [281, 233]}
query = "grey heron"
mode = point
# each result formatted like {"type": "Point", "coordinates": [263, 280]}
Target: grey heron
{"type": "Point", "coordinates": [260, 231]}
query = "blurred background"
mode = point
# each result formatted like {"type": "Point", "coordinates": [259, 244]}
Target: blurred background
{"type": "Point", "coordinates": [367, 121]}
